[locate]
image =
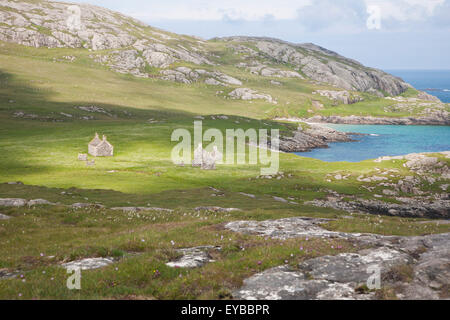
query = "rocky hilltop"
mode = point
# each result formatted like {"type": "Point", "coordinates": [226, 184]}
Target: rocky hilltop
{"type": "Point", "coordinates": [319, 64]}
{"type": "Point", "coordinates": [127, 45]}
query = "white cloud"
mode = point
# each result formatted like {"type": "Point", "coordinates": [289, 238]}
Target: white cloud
{"type": "Point", "coordinates": [342, 16]}
{"type": "Point", "coordinates": [333, 16]}
{"type": "Point", "coordinates": [406, 10]}
{"type": "Point", "coordinates": [250, 10]}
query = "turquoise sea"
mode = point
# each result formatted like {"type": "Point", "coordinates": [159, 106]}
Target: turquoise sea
{"type": "Point", "coordinates": [383, 141]}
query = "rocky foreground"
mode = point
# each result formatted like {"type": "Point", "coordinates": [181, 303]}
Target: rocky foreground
{"type": "Point", "coordinates": [409, 267]}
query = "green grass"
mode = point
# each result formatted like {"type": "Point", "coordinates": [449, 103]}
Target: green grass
{"type": "Point", "coordinates": [42, 153]}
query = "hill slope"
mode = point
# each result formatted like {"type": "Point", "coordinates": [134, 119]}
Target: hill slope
{"type": "Point", "coordinates": [262, 77]}
{"type": "Point", "coordinates": [138, 46]}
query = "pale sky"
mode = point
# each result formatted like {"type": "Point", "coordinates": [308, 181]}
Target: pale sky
{"type": "Point", "coordinates": [388, 34]}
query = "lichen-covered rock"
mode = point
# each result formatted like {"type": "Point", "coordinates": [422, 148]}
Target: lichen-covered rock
{"type": "Point", "coordinates": [337, 97]}
{"type": "Point", "coordinates": [53, 24]}
{"type": "Point", "coordinates": [158, 59]}
{"type": "Point", "coordinates": [13, 202]}
{"type": "Point", "coordinates": [284, 228]}
{"type": "Point", "coordinates": [193, 257]}
{"type": "Point", "coordinates": [213, 82]}
{"type": "Point", "coordinates": [175, 76]}
{"type": "Point", "coordinates": [352, 267]}
{"type": "Point", "coordinates": [7, 274]}
{"type": "Point", "coordinates": [435, 209]}
{"type": "Point", "coordinates": [187, 75]}
{"type": "Point", "coordinates": [338, 276]}
{"type": "Point", "coordinates": [216, 209]}
{"type": "Point", "coordinates": [39, 202]}
{"type": "Point", "coordinates": [89, 263]}
{"type": "Point", "coordinates": [266, 71]}
{"type": "Point", "coordinates": [249, 94]}
{"type": "Point", "coordinates": [323, 278]}
{"type": "Point", "coordinates": [428, 97]}
{"type": "Point", "coordinates": [127, 61]}
{"type": "Point", "coordinates": [87, 205]}
{"type": "Point", "coordinates": [140, 209]}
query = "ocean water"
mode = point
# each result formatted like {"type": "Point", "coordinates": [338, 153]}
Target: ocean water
{"type": "Point", "coordinates": [383, 141]}
{"type": "Point", "coordinates": [435, 82]}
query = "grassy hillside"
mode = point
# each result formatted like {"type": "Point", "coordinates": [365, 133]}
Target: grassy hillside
{"type": "Point", "coordinates": [39, 147]}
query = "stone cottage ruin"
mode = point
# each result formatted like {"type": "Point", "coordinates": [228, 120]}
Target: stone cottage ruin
{"type": "Point", "coordinates": [206, 160]}
{"type": "Point", "coordinates": [100, 148]}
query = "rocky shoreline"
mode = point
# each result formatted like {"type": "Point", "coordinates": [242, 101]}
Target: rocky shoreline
{"type": "Point", "coordinates": [409, 195]}
{"type": "Point", "coordinates": [429, 120]}
{"type": "Point", "coordinates": [315, 136]}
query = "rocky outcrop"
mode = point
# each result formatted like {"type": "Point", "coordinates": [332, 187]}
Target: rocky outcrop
{"type": "Point", "coordinates": [217, 209]}
{"type": "Point", "coordinates": [323, 278]}
{"type": "Point", "coordinates": [435, 209]}
{"type": "Point", "coordinates": [249, 94]}
{"type": "Point", "coordinates": [133, 44]}
{"type": "Point", "coordinates": [323, 65]}
{"type": "Point", "coordinates": [187, 75]}
{"type": "Point", "coordinates": [39, 202]}
{"type": "Point", "coordinates": [410, 195]}
{"type": "Point", "coordinates": [266, 71]}
{"type": "Point", "coordinates": [53, 24]}
{"type": "Point", "coordinates": [427, 97]}
{"type": "Point", "coordinates": [314, 136]}
{"type": "Point", "coordinates": [140, 209]}
{"type": "Point", "coordinates": [15, 202]}
{"type": "Point", "coordinates": [346, 275]}
{"type": "Point", "coordinates": [7, 274]}
{"type": "Point", "coordinates": [285, 228]}
{"type": "Point", "coordinates": [79, 206]}
{"type": "Point", "coordinates": [193, 257]}
{"type": "Point", "coordinates": [4, 217]}
{"type": "Point", "coordinates": [425, 120]}
{"type": "Point", "coordinates": [423, 163]}
{"type": "Point", "coordinates": [89, 263]}
{"type": "Point", "coordinates": [127, 62]}
{"type": "Point", "coordinates": [339, 97]}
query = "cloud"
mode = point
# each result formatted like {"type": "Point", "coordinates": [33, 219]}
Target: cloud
{"type": "Point", "coordinates": [353, 16]}
{"type": "Point", "coordinates": [213, 10]}
{"type": "Point", "coordinates": [323, 15]}
{"type": "Point", "coordinates": [310, 15]}
{"type": "Point", "coordinates": [441, 18]}
{"type": "Point", "coordinates": [406, 11]}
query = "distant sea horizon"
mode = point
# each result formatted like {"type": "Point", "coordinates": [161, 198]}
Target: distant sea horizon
{"type": "Point", "coordinates": [434, 82]}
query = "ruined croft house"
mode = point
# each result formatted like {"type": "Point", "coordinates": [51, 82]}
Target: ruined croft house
{"type": "Point", "coordinates": [100, 148]}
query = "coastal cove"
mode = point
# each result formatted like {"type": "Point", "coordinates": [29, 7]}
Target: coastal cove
{"type": "Point", "coordinates": [382, 140]}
